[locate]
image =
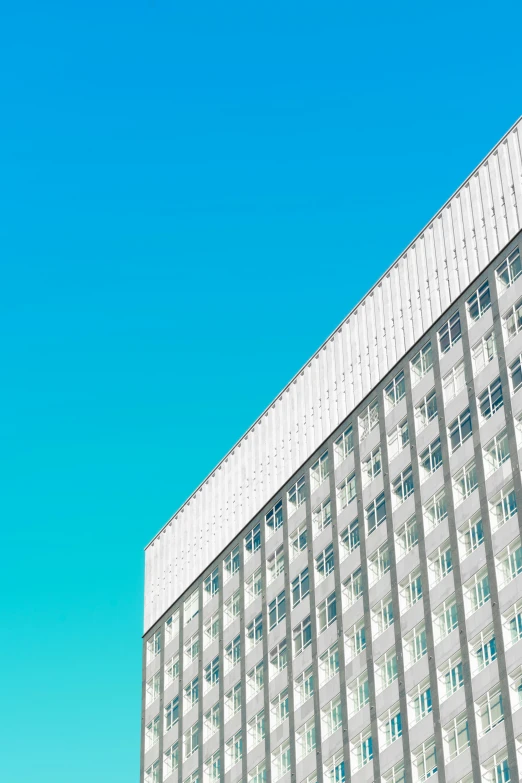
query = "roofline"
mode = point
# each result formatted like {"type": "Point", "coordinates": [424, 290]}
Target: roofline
{"type": "Point", "coordinates": [323, 344]}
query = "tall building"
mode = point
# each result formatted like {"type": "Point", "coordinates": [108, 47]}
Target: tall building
{"type": "Point", "coordinates": [341, 599]}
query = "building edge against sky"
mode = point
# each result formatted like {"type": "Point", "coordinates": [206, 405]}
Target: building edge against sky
{"type": "Point", "coordinates": [461, 240]}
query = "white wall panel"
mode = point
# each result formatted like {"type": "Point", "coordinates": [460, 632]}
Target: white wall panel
{"type": "Point", "coordinates": [463, 237]}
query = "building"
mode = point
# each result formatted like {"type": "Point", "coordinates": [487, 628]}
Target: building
{"type": "Point", "coordinates": [341, 599]}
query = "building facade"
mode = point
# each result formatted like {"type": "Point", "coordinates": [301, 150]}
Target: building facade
{"type": "Point", "coordinates": [365, 622]}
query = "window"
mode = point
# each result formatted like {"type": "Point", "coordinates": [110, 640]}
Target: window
{"type": "Point", "coordinates": [395, 774]}
{"type": "Point", "coordinates": [211, 585]}
{"type": "Point", "coordinates": [398, 439]}
{"type": "Point", "coordinates": [508, 271]}
{"type": "Point", "coordinates": [426, 410]}
{"type": "Point", "coordinates": [456, 736]}
{"type": "Point", "coordinates": [390, 725]}
{"type": "Point", "coordinates": [352, 588]}
{"type": "Point", "coordinates": [451, 677]}
{"type": "Point", "coordinates": [322, 516]}
{"type": "Point", "coordinates": [513, 321]}
{"type": "Point", "coordinates": [368, 419]}
{"type": "Point", "coordinates": [329, 663]}
{"type": "Point", "coordinates": [453, 381]}
{"type": "Point", "coordinates": [419, 701]}
{"type": "Point", "coordinates": [170, 760]}
{"type": "Point", "coordinates": [326, 612]}
{"type": "Point", "coordinates": [445, 619]}
{"type": "Point", "coordinates": [275, 564]}
{"type": "Point", "coordinates": [375, 513]}
{"type": "Point", "coordinates": [152, 733]}
{"type": "Point", "coordinates": [343, 446]}
{"type": "Point", "coordinates": [334, 770]}
{"type": "Point", "coordinates": [233, 701]}
{"type": "Point", "coordinates": [280, 760]}
{"type": "Point", "coordinates": [256, 729]}
{"type": "Point", "coordinates": [471, 535]}
{"type": "Point", "coordinates": [414, 645]}
{"type": "Point", "coordinates": [153, 646]}
{"type": "Point", "coordinates": [298, 540]}
{"type": "Point", "coordinates": [172, 713]}
{"type": "Point", "coordinates": [490, 711]}
{"type": "Point", "coordinates": [513, 624]}
{"type": "Point", "coordinates": [421, 363]}
{"type": "Point", "coordinates": [213, 767]}
{"type": "Point", "coordinates": [302, 635]}
{"type": "Point", "coordinates": [406, 537]}
{"type": "Point", "coordinates": [191, 740]}
{"type": "Point", "coordinates": [296, 495]}
{"type": "Point", "coordinates": [211, 722]}
{"type": "Point", "coordinates": [332, 716]}
{"type": "Point", "coordinates": [280, 708]}
{"type": "Point", "coordinates": [152, 689]}
{"type": "Point", "coordinates": [211, 629]}
{"type": "Point", "coordinates": [497, 769]}
{"type": "Point", "coordinates": [362, 750]}
{"type": "Point", "coordinates": [152, 773]}
{"type": "Point", "coordinates": [386, 670]}
{"type": "Point", "coordinates": [465, 482]}
{"type": "Point", "coordinates": [450, 333]}
{"type": "Point", "coordinates": [192, 693]}
{"type": "Point", "coordinates": [382, 615]}
{"type": "Point", "coordinates": [276, 610]}
{"type": "Point", "coordinates": [346, 492]}
{"type": "Point", "coordinates": [278, 658]}
{"type": "Point", "coordinates": [371, 466]}
{"type": "Point", "coordinates": [253, 588]}
{"type": "Point", "coordinates": [232, 606]}
{"type": "Point", "coordinates": [358, 693]}
{"type": "Point", "coordinates": [253, 541]}
{"type": "Point", "coordinates": [435, 510]}
{"type": "Point", "coordinates": [300, 587]}
{"type": "Point", "coordinates": [479, 302]}
{"type": "Point", "coordinates": [171, 627]}
{"type": "Point", "coordinates": [410, 590]}
{"type": "Point", "coordinates": [192, 649]}
{"type": "Point", "coordinates": [211, 670]}
{"type": "Point", "coordinates": [233, 750]}
{"type": "Point", "coordinates": [425, 761]}
{"type": "Point", "coordinates": [319, 471]}
{"type": "Point", "coordinates": [491, 399]}
{"type": "Point", "coordinates": [503, 506]}
{"type": "Point", "coordinates": [515, 684]}
{"type": "Point", "coordinates": [258, 774]}
{"type": "Point", "coordinates": [231, 563]}
{"type": "Point", "coordinates": [305, 739]}
{"type": "Point", "coordinates": [483, 352]}
{"type": "Point", "coordinates": [459, 430]}
{"type": "Point", "coordinates": [431, 458]}
{"type": "Point", "coordinates": [515, 374]}
{"type": "Point", "coordinates": [402, 486]}
{"type": "Point", "coordinates": [395, 391]}
{"type": "Point", "coordinates": [350, 539]}
{"type": "Point", "coordinates": [194, 778]}
{"type": "Point", "coordinates": [509, 563]}
{"type": "Point", "coordinates": [324, 562]}
{"type": "Point", "coordinates": [356, 639]}
{"type": "Point", "coordinates": [254, 631]}
{"type": "Point", "coordinates": [476, 591]}
{"type": "Point", "coordinates": [255, 680]}
{"type": "Point", "coordinates": [440, 563]}
{"type": "Point", "coordinates": [378, 563]}
{"type": "Point", "coordinates": [496, 452]}
{"type": "Point", "coordinates": [191, 607]}
{"type": "Point", "coordinates": [171, 671]}
{"type": "Point", "coordinates": [483, 649]}
{"type": "Point", "coordinates": [304, 687]}
{"type": "Point", "coordinates": [274, 518]}
{"type": "Point", "coordinates": [232, 654]}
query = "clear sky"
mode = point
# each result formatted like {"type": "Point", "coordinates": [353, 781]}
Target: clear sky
{"type": "Point", "coordinates": [193, 195]}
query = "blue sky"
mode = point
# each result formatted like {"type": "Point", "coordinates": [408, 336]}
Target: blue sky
{"type": "Point", "coordinates": [193, 196]}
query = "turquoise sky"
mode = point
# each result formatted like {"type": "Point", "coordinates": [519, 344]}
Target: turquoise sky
{"type": "Point", "coordinates": [193, 195]}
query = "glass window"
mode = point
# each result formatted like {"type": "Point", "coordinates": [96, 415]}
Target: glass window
{"type": "Point", "coordinates": [398, 439]}
{"type": "Point", "coordinates": [406, 537]}
{"type": "Point", "coordinates": [319, 471]}
{"type": "Point", "coordinates": [280, 707]}
{"type": "Point", "coordinates": [232, 605]}
{"type": "Point", "coordinates": [431, 458]}
{"type": "Point", "coordinates": [490, 711]}
{"type": "Point", "coordinates": [211, 722]}
{"type": "Point", "coordinates": [440, 563]}
{"type": "Point", "coordinates": [346, 492]}
{"type": "Point", "coordinates": [356, 640]}
{"type": "Point", "coordinates": [415, 645]}
{"type": "Point", "coordinates": [477, 591]}
{"type": "Point", "coordinates": [304, 686]}
{"type": "Point", "coordinates": [172, 713]}
{"type": "Point", "coordinates": [275, 564]}
{"type": "Point", "coordinates": [459, 430]}
{"type": "Point", "coordinates": [332, 717]}
{"type": "Point", "coordinates": [395, 391]}
{"type": "Point", "coordinates": [450, 333]}
{"type": "Point", "coordinates": [445, 619]}
{"type": "Point", "coordinates": [329, 663]}
{"type": "Point", "coordinates": [298, 540]}
{"type": "Point", "coordinates": [254, 631]}
{"type": "Point", "coordinates": [375, 513]}
{"type": "Point", "coordinates": [322, 516]}
{"type": "Point", "coordinates": [368, 419]}
{"type": "Point", "coordinates": [471, 535]}
{"type": "Point", "coordinates": [256, 729]}
{"type": "Point", "coordinates": [390, 726]}
{"type": "Point", "coordinates": [300, 587]}
{"type": "Point", "coordinates": [503, 506]}
{"type": "Point", "coordinates": [350, 538]}
{"type": "Point", "coordinates": [378, 563]}
{"type": "Point", "coordinates": [280, 760]}
{"type": "Point", "coordinates": [508, 271]}
{"type": "Point", "coordinates": [509, 563]}
{"type": "Point", "coordinates": [352, 588]}
{"type": "Point", "coordinates": [483, 352]}
{"type": "Point", "coordinates": [274, 518]}
{"type": "Point", "coordinates": [211, 585]}
{"type": "Point", "coordinates": [152, 689]}
{"type": "Point", "coordinates": [410, 590]}
{"type": "Point", "coordinates": [171, 670]}
{"type": "Point", "coordinates": [513, 321]}
{"type": "Point", "coordinates": [358, 693]}
{"type": "Point", "coordinates": [170, 760]}
{"type": "Point", "coordinates": [386, 670]}
{"type": "Point", "coordinates": [253, 588]}
{"type": "Point", "coordinates": [302, 635]}
{"type": "Point", "coordinates": [324, 562]}
{"type": "Point", "coordinates": [419, 701]}
{"type": "Point", "coordinates": [483, 649]}
{"type": "Point", "coordinates": [231, 563]}
{"type": "Point", "coordinates": [456, 736]}
{"type": "Point", "coordinates": [465, 482]}
{"type": "Point", "coordinates": [152, 732]}
{"type": "Point", "coordinates": [343, 446]}
{"type": "Point", "coordinates": [171, 627]}
{"type": "Point", "coordinates": [515, 374]}
{"type": "Point", "coordinates": [421, 363]}
{"type": "Point", "coordinates": [253, 541]}
{"type": "Point", "coordinates": [371, 466]}
{"type": "Point", "coordinates": [153, 646]}
{"type": "Point", "coordinates": [453, 381]}
{"type": "Point", "coordinates": [361, 750]}
{"type": "Point", "coordinates": [233, 750]}
{"type": "Point", "coordinates": [382, 615]}
{"type": "Point", "coordinates": [402, 486]}
{"type": "Point", "coordinates": [326, 612]}
{"type": "Point", "coordinates": [305, 739]}
{"type": "Point", "coordinates": [276, 610]}
{"type": "Point", "coordinates": [451, 677]}
{"type": "Point", "coordinates": [435, 510]}
{"type": "Point", "coordinates": [278, 658]}
{"type": "Point", "coordinates": [296, 495]}
{"type": "Point", "coordinates": [425, 761]}
{"type": "Point", "coordinates": [479, 302]}
{"type": "Point", "coordinates": [491, 399]}
{"type": "Point", "coordinates": [426, 410]}
{"type": "Point", "coordinates": [496, 452]}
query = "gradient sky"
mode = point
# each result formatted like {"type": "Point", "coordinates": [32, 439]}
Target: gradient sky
{"type": "Point", "coordinates": [193, 196]}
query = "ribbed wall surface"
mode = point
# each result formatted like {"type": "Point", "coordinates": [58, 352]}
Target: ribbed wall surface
{"type": "Point", "coordinates": [468, 232]}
